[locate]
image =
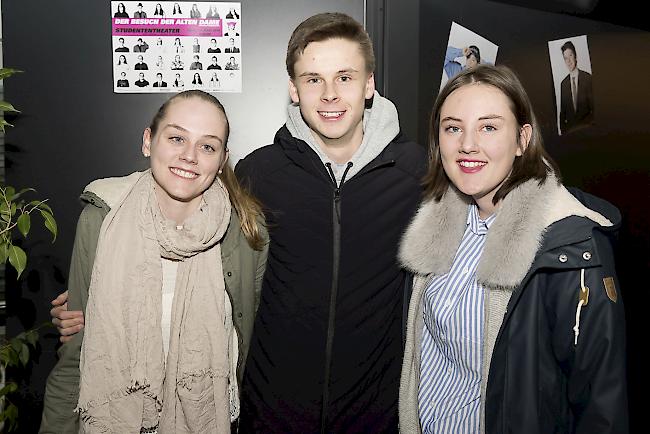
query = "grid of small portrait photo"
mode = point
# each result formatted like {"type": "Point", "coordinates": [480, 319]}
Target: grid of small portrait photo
{"type": "Point", "coordinates": [172, 46]}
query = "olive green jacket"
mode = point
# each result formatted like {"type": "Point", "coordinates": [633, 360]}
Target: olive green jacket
{"type": "Point", "coordinates": [243, 270]}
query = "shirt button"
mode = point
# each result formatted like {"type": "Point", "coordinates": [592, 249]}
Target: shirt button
{"type": "Point", "coordinates": [229, 274]}
{"type": "Point", "coordinates": [563, 258]}
{"type": "Point", "coordinates": [449, 370]}
{"type": "Point", "coordinates": [465, 270]}
{"type": "Point", "coordinates": [239, 315]}
{"type": "Point", "coordinates": [586, 256]}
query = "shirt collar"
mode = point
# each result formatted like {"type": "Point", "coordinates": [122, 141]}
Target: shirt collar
{"type": "Point", "coordinates": [476, 225]}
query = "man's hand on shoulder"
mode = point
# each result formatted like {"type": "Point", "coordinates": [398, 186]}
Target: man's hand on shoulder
{"type": "Point", "coordinates": [67, 322]}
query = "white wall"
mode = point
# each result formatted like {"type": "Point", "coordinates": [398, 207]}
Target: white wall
{"type": "Point", "coordinates": [260, 110]}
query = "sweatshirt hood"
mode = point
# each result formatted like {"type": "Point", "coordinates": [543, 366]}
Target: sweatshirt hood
{"type": "Point", "coordinates": [380, 126]}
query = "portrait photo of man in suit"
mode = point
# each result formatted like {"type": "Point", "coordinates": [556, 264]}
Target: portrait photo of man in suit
{"type": "Point", "coordinates": [576, 93]}
{"type": "Point", "coordinates": [159, 81]}
{"type": "Point", "coordinates": [232, 48]}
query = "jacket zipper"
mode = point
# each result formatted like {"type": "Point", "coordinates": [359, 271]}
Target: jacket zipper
{"type": "Point", "coordinates": [336, 222]}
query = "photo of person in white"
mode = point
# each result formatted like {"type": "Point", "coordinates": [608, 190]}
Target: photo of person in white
{"type": "Point", "coordinates": [214, 81]}
{"type": "Point", "coordinates": [122, 63]}
{"type": "Point", "coordinates": [213, 13]}
{"type": "Point", "coordinates": [177, 63]}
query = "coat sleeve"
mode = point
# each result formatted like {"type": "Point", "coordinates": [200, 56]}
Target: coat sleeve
{"type": "Point", "coordinates": [262, 256]}
{"type": "Point", "coordinates": [596, 365]}
{"type": "Point", "coordinates": [62, 387]}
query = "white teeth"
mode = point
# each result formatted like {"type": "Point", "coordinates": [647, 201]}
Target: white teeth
{"type": "Point", "coordinates": [471, 163]}
{"type": "Point", "coordinates": [331, 114]}
{"type": "Point", "coordinates": [183, 173]}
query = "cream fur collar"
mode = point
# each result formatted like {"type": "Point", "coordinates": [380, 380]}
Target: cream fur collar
{"type": "Point", "coordinates": [432, 239]}
{"type": "Point", "coordinates": [112, 190]}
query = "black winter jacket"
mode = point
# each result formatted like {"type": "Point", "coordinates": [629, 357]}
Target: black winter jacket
{"type": "Point", "coordinates": [545, 245]}
{"type": "Point", "coordinates": [326, 349]}
{"type": "Point", "coordinates": [578, 388]}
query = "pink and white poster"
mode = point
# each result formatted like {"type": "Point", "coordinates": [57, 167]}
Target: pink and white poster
{"type": "Point", "coordinates": [172, 46]}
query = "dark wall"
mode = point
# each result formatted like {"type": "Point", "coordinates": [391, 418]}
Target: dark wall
{"type": "Point", "coordinates": [610, 159]}
{"type": "Point", "coordinates": [394, 27]}
{"type": "Point", "coordinates": [74, 129]}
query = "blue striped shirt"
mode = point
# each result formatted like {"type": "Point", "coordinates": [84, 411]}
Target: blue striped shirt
{"type": "Point", "coordinates": [450, 364]}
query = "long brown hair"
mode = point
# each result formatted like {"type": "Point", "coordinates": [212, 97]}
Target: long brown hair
{"type": "Point", "coordinates": [248, 208]}
{"type": "Point", "coordinates": [534, 163]}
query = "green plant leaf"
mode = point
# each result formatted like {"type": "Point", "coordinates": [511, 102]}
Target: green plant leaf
{"type": "Point", "coordinates": [3, 253]}
{"type": "Point", "coordinates": [41, 206]}
{"type": "Point", "coordinates": [7, 107]}
{"type": "Point", "coordinates": [21, 192]}
{"type": "Point", "coordinates": [24, 354]}
{"type": "Point", "coordinates": [8, 388]}
{"type": "Point", "coordinates": [4, 124]}
{"type": "Point", "coordinates": [9, 355]}
{"type": "Point", "coordinates": [15, 344]}
{"type": "Point", "coordinates": [50, 223]}
{"type": "Point", "coordinates": [13, 208]}
{"type": "Point", "coordinates": [31, 337]}
{"type": "Point", "coordinates": [7, 72]}
{"type": "Point", "coordinates": [9, 193]}
{"type": "Point", "coordinates": [17, 258]}
{"type": "Point", "coordinates": [24, 222]}
{"type": "Point", "coordinates": [11, 416]}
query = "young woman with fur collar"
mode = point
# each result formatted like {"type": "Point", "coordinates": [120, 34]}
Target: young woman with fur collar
{"type": "Point", "coordinates": [515, 323]}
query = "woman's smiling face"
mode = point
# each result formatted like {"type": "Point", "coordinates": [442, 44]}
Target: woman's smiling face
{"type": "Point", "coordinates": [479, 140]}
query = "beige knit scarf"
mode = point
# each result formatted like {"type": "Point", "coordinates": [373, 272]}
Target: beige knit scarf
{"type": "Point", "coordinates": [125, 384]}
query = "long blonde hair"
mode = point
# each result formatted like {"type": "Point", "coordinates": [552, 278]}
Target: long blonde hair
{"type": "Point", "coordinates": [248, 208]}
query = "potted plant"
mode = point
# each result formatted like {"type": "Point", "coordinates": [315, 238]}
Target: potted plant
{"type": "Point", "coordinates": [16, 216]}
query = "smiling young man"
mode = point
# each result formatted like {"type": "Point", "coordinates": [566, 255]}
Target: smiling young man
{"type": "Point", "coordinates": [339, 184]}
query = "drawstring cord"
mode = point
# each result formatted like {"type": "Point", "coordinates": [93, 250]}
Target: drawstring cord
{"type": "Point", "coordinates": [333, 178]}
{"type": "Point", "coordinates": [584, 299]}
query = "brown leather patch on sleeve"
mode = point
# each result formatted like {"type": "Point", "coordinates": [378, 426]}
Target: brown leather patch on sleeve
{"type": "Point", "coordinates": [610, 288]}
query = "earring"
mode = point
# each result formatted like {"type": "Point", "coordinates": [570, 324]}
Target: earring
{"type": "Point", "coordinates": [146, 155]}
{"type": "Point", "coordinates": [220, 172]}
